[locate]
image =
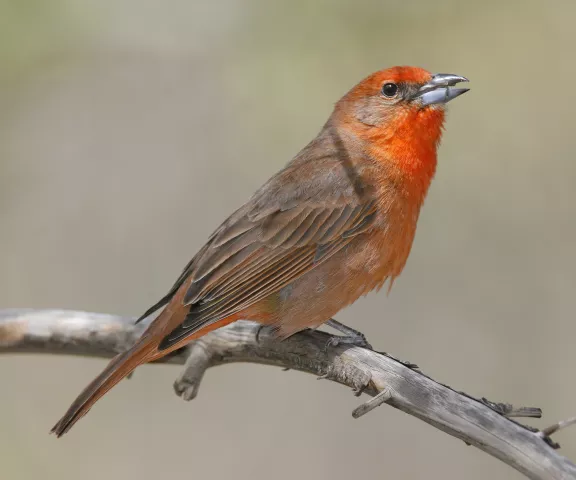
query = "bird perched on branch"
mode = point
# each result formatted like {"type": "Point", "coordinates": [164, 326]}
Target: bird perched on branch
{"type": "Point", "coordinates": [334, 224]}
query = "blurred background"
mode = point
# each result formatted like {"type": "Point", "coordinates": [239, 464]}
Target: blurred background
{"type": "Point", "coordinates": [121, 119]}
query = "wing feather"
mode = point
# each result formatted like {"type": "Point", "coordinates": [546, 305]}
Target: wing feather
{"type": "Point", "coordinates": [295, 222]}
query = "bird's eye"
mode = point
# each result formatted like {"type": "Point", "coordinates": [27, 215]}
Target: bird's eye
{"type": "Point", "coordinates": [389, 90]}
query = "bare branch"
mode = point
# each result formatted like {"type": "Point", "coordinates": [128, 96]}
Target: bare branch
{"type": "Point", "coordinates": [477, 422]}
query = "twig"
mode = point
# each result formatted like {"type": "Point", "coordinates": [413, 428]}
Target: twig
{"type": "Point", "coordinates": [557, 426]}
{"type": "Point", "coordinates": [480, 423]}
{"type": "Point", "coordinates": [545, 433]}
{"type": "Point", "coordinates": [510, 411]}
{"type": "Point", "coordinates": [371, 404]}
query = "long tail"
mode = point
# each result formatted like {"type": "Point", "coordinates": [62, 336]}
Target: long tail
{"type": "Point", "coordinates": [118, 368]}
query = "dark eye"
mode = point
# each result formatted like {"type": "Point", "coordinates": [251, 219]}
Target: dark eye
{"type": "Point", "coordinates": [389, 90]}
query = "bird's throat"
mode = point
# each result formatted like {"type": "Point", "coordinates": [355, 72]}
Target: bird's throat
{"type": "Point", "coordinates": [407, 149]}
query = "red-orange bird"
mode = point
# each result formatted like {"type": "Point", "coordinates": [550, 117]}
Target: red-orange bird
{"type": "Point", "coordinates": [334, 224]}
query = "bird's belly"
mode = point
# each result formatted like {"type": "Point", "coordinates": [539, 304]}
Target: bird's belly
{"type": "Point", "coordinates": [360, 267]}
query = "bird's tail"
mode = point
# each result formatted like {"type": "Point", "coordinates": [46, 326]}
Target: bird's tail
{"type": "Point", "coordinates": [118, 368]}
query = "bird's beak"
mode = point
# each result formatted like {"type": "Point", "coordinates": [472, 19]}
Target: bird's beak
{"type": "Point", "coordinates": [438, 90]}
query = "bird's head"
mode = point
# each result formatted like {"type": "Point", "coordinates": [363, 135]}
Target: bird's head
{"type": "Point", "coordinates": [400, 113]}
{"type": "Point", "coordinates": [388, 98]}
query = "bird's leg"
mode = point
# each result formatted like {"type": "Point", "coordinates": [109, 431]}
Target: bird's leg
{"type": "Point", "coordinates": [351, 336]}
{"type": "Point", "coordinates": [358, 339]}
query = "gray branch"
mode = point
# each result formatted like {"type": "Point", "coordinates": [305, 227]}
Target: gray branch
{"type": "Point", "coordinates": [481, 423]}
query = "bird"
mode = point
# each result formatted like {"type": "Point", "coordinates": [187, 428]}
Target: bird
{"type": "Point", "coordinates": [335, 223]}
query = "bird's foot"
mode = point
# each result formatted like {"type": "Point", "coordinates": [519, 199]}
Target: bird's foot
{"type": "Point", "coordinates": [358, 339]}
{"type": "Point", "coordinates": [353, 341]}
{"type": "Point", "coordinates": [351, 337]}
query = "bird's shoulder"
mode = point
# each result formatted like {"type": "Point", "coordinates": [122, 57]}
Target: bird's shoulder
{"type": "Point", "coordinates": [330, 171]}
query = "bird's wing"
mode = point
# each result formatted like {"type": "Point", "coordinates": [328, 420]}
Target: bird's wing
{"type": "Point", "coordinates": [297, 220]}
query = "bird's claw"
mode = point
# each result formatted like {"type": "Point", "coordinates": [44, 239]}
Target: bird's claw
{"type": "Point", "coordinates": [351, 337]}
{"type": "Point", "coordinates": [352, 340]}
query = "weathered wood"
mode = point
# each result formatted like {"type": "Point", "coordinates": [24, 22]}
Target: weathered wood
{"type": "Point", "coordinates": [477, 422]}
